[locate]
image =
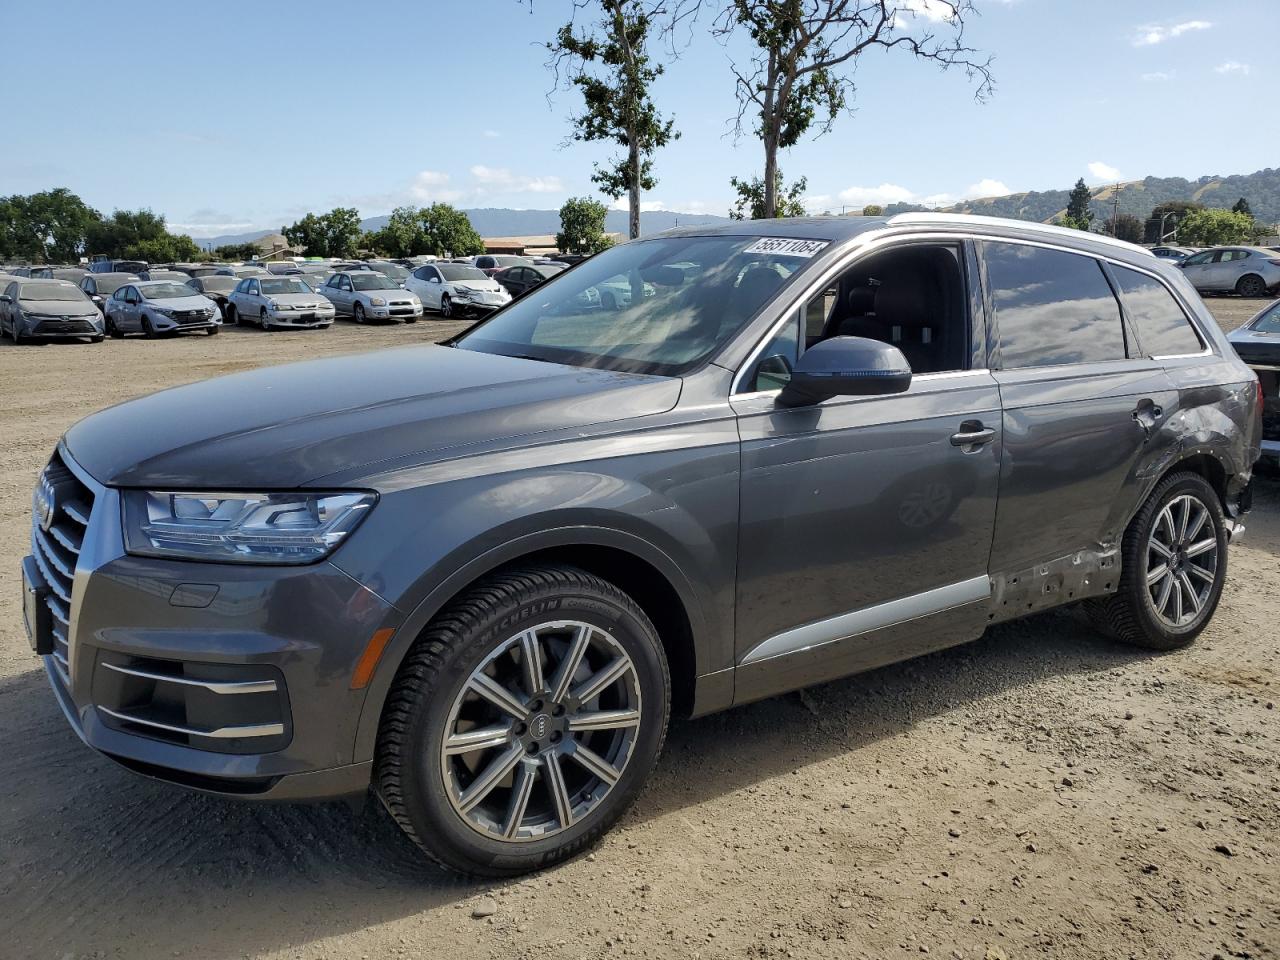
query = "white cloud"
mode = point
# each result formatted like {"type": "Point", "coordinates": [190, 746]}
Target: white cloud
{"type": "Point", "coordinates": [1159, 76]}
{"type": "Point", "coordinates": [432, 186]}
{"type": "Point", "coordinates": [491, 134]}
{"type": "Point", "coordinates": [988, 188]}
{"type": "Point", "coordinates": [885, 193]}
{"type": "Point", "coordinates": [1152, 34]}
{"type": "Point", "coordinates": [1232, 66]}
{"type": "Point", "coordinates": [503, 179]}
{"type": "Point", "coordinates": [1102, 171]}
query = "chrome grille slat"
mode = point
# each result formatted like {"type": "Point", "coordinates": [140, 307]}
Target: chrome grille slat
{"type": "Point", "coordinates": [220, 733]}
{"type": "Point", "coordinates": [214, 686]}
{"type": "Point", "coordinates": [77, 511]}
{"type": "Point", "coordinates": [63, 592]}
{"type": "Point", "coordinates": [51, 554]}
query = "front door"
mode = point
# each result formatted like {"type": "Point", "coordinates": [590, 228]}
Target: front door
{"type": "Point", "coordinates": [866, 522]}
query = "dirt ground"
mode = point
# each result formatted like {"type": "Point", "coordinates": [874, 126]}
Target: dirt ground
{"type": "Point", "coordinates": [1039, 793]}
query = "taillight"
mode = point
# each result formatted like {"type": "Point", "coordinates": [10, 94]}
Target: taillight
{"type": "Point", "coordinates": [1275, 263]}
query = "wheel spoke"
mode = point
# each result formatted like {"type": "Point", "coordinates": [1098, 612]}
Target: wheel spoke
{"type": "Point", "coordinates": [1201, 516]}
{"type": "Point", "coordinates": [596, 764]}
{"type": "Point", "coordinates": [1190, 591]}
{"type": "Point", "coordinates": [1160, 548]}
{"type": "Point", "coordinates": [604, 720]}
{"type": "Point", "coordinates": [498, 695]}
{"type": "Point", "coordinates": [1204, 546]}
{"type": "Point", "coordinates": [481, 738]}
{"type": "Point", "coordinates": [1177, 600]}
{"type": "Point", "coordinates": [1184, 519]}
{"type": "Point", "coordinates": [1201, 572]}
{"type": "Point", "coordinates": [1166, 587]}
{"type": "Point", "coordinates": [559, 792]}
{"type": "Point", "coordinates": [483, 785]}
{"type": "Point", "coordinates": [531, 659]}
{"type": "Point", "coordinates": [572, 658]}
{"type": "Point", "coordinates": [595, 684]}
{"type": "Point", "coordinates": [1157, 574]}
{"type": "Point", "coordinates": [525, 775]}
{"type": "Point", "coordinates": [1166, 521]}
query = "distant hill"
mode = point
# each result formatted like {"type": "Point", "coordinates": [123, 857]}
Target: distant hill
{"type": "Point", "coordinates": [1138, 197]}
{"type": "Point", "coordinates": [498, 222]}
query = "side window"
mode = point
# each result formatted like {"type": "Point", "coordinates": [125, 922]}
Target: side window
{"type": "Point", "coordinates": [1163, 328]}
{"type": "Point", "coordinates": [252, 288]}
{"type": "Point", "coordinates": [1052, 307]}
{"type": "Point", "coordinates": [1198, 259]}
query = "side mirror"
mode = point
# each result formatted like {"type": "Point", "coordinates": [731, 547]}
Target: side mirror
{"type": "Point", "coordinates": [435, 279]}
{"type": "Point", "coordinates": [5, 298]}
{"type": "Point", "coordinates": [846, 367]}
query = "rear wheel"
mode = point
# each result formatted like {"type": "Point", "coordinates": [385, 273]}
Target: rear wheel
{"type": "Point", "coordinates": [1174, 560]}
{"type": "Point", "coordinates": [524, 721]}
{"type": "Point", "coordinates": [1251, 286]}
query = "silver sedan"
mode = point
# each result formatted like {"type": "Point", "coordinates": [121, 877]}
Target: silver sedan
{"type": "Point", "coordinates": [1248, 271]}
{"type": "Point", "coordinates": [366, 295]}
{"type": "Point", "coordinates": [160, 308]}
{"type": "Point", "coordinates": [273, 302]}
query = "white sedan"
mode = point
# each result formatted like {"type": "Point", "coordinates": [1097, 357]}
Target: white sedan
{"type": "Point", "coordinates": [273, 302]}
{"type": "Point", "coordinates": [456, 288]}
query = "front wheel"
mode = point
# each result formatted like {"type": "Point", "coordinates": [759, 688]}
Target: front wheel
{"type": "Point", "coordinates": [233, 318]}
{"type": "Point", "coordinates": [446, 307]}
{"type": "Point", "coordinates": [524, 721]}
{"type": "Point", "coordinates": [262, 319]}
{"type": "Point", "coordinates": [1174, 560]}
{"type": "Point", "coordinates": [113, 331]}
{"type": "Point", "coordinates": [149, 329]}
{"type": "Point", "coordinates": [211, 331]}
{"type": "Point", "coordinates": [357, 313]}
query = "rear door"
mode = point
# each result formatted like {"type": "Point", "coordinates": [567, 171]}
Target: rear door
{"type": "Point", "coordinates": [1079, 402]}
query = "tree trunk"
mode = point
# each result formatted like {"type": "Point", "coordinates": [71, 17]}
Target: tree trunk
{"type": "Point", "coordinates": [770, 177]}
{"type": "Point", "coordinates": [633, 164]}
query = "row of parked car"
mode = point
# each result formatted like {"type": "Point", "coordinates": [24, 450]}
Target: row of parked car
{"type": "Point", "coordinates": [1247, 271]}
{"type": "Point", "coordinates": [119, 297]}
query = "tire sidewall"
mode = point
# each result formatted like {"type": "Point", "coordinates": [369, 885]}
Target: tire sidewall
{"type": "Point", "coordinates": [1165, 634]}
{"type": "Point", "coordinates": [425, 799]}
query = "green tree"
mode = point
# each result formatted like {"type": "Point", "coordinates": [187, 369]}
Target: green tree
{"type": "Point", "coordinates": [1126, 227]}
{"type": "Point", "coordinates": [332, 234]}
{"type": "Point", "coordinates": [873, 210]}
{"type": "Point", "coordinates": [582, 226]}
{"type": "Point", "coordinates": [139, 235]}
{"type": "Point", "coordinates": [1078, 213]}
{"type": "Point", "coordinates": [1212, 228]}
{"type": "Point", "coordinates": [1242, 206]}
{"type": "Point", "coordinates": [613, 71]}
{"type": "Point", "coordinates": [806, 52]}
{"type": "Point", "coordinates": [446, 230]}
{"type": "Point", "coordinates": [752, 202]}
{"type": "Point", "coordinates": [402, 235]}
{"type": "Point", "coordinates": [309, 235]}
{"type": "Point", "coordinates": [236, 251]}
{"type": "Point", "coordinates": [46, 227]}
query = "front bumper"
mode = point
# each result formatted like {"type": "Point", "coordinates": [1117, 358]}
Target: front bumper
{"type": "Point", "coordinates": [220, 678]}
{"type": "Point", "coordinates": [321, 317]}
{"type": "Point", "coordinates": [477, 307]}
{"type": "Point", "coordinates": [396, 313]}
{"type": "Point", "coordinates": [165, 324]}
{"type": "Point", "coordinates": [69, 329]}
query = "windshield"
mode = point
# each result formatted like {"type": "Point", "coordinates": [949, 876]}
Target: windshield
{"type": "Point", "coordinates": [455, 271]}
{"type": "Point", "coordinates": [108, 284]}
{"type": "Point", "coordinates": [166, 291]}
{"type": "Point", "coordinates": [504, 260]}
{"type": "Point", "coordinates": [289, 285]}
{"type": "Point", "coordinates": [659, 306]}
{"type": "Point", "coordinates": [130, 266]}
{"type": "Point", "coordinates": [392, 270]}
{"type": "Point", "coordinates": [218, 284]}
{"type": "Point", "coordinates": [1269, 322]}
{"type": "Point", "coordinates": [50, 291]}
{"type": "Point", "coordinates": [372, 281]}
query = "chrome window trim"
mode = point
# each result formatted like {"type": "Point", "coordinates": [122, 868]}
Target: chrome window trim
{"type": "Point", "coordinates": [873, 240]}
{"type": "Point", "coordinates": [915, 378]}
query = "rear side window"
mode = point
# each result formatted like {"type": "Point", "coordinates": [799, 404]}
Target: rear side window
{"type": "Point", "coordinates": [1163, 329]}
{"type": "Point", "coordinates": [1052, 307]}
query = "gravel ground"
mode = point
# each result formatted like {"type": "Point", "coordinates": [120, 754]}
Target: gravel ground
{"type": "Point", "coordinates": [1040, 792]}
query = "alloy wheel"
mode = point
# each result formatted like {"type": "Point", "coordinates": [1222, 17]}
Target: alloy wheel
{"type": "Point", "coordinates": [1182, 560]}
{"type": "Point", "coordinates": [541, 731]}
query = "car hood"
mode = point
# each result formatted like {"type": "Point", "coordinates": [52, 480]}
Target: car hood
{"type": "Point", "coordinates": [59, 308]}
{"type": "Point", "coordinates": [488, 283]}
{"type": "Point", "coordinates": [1256, 347]}
{"type": "Point", "coordinates": [297, 299]}
{"type": "Point", "coordinates": [197, 302]}
{"type": "Point", "coordinates": [287, 426]}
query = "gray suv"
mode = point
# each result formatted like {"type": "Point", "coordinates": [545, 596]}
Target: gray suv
{"type": "Point", "coordinates": [481, 577]}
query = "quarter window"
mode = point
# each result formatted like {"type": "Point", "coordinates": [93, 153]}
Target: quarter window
{"type": "Point", "coordinates": [1052, 307]}
{"type": "Point", "coordinates": [1163, 328]}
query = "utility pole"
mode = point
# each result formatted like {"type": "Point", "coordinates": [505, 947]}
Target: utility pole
{"type": "Point", "coordinates": [1115, 208]}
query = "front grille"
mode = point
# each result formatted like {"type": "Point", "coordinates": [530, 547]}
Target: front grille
{"type": "Point", "coordinates": [62, 325]}
{"type": "Point", "coordinates": [57, 548]}
{"type": "Point", "coordinates": [191, 316]}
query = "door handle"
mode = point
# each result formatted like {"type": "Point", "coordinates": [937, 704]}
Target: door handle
{"type": "Point", "coordinates": [972, 434]}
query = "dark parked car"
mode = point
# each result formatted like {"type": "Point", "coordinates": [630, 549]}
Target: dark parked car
{"type": "Point", "coordinates": [137, 267]}
{"type": "Point", "coordinates": [216, 288]}
{"type": "Point", "coordinates": [1258, 344]}
{"type": "Point", "coordinates": [481, 576]}
{"type": "Point", "coordinates": [489, 263]}
{"type": "Point", "coordinates": [518, 280]}
{"type": "Point", "coordinates": [99, 287]}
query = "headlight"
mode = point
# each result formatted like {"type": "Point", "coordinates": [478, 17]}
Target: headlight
{"type": "Point", "coordinates": [463, 292]}
{"type": "Point", "coordinates": [241, 527]}
{"type": "Point", "coordinates": [272, 305]}
{"type": "Point", "coordinates": [163, 311]}
{"type": "Point", "coordinates": [377, 302]}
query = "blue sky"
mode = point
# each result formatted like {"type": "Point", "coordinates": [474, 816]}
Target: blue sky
{"type": "Point", "coordinates": [234, 116]}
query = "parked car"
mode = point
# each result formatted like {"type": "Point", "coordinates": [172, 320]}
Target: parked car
{"type": "Point", "coordinates": [216, 288]}
{"type": "Point", "coordinates": [274, 302]}
{"type": "Point", "coordinates": [366, 295]}
{"type": "Point", "coordinates": [1171, 253]}
{"type": "Point", "coordinates": [160, 308]}
{"type": "Point", "coordinates": [176, 276]}
{"type": "Point", "coordinates": [491, 263]}
{"type": "Point", "coordinates": [100, 286]}
{"type": "Point", "coordinates": [518, 280]}
{"type": "Point", "coordinates": [73, 274]}
{"type": "Point", "coordinates": [203, 270]}
{"type": "Point", "coordinates": [450, 288]}
{"type": "Point", "coordinates": [136, 267]}
{"type": "Point", "coordinates": [480, 577]}
{"type": "Point", "coordinates": [33, 309]}
{"type": "Point", "coordinates": [395, 271]}
{"type": "Point", "coordinates": [1258, 344]}
{"type": "Point", "coordinates": [241, 272]}
{"type": "Point", "coordinates": [1248, 271]}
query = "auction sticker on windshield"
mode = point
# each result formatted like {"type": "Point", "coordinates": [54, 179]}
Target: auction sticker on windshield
{"type": "Point", "coordinates": [783, 247]}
